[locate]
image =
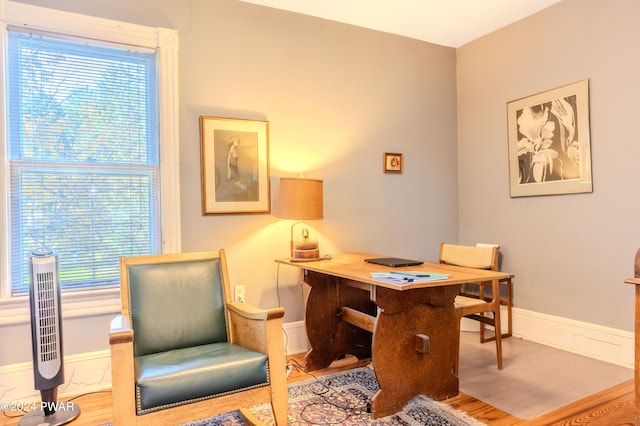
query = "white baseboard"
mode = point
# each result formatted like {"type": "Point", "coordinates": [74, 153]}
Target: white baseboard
{"type": "Point", "coordinates": [591, 340]}
{"type": "Point", "coordinates": [84, 373]}
{"type": "Point", "coordinates": [90, 372]}
{"type": "Point", "coordinates": [295, 335]}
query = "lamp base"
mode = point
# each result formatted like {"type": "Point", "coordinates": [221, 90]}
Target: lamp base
{"type": "Point", "coordinates": [305, 255]}
{"type": "Point", "coordinates": [315, 259]}
{"type": "Point", "coordinates": [293, 259]}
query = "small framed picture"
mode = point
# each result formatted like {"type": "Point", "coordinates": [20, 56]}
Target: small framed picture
{"type": "Point", "coordinates": [234, 165]}
{"type": "Point", "coordinates": [392, 162]}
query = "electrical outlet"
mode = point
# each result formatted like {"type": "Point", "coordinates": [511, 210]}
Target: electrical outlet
{"type": "Point", "coordinates": [239, 293]}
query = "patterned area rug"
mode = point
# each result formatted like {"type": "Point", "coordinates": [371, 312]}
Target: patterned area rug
{"type": "Point", "coordinates": [342, 399]}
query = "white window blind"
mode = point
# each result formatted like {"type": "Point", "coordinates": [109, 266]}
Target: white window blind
{"type": "Point", "coordinates": [83, 156]}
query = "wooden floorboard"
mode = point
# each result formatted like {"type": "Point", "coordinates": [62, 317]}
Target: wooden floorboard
{"type": "Point", "coordinates": [612, 407]}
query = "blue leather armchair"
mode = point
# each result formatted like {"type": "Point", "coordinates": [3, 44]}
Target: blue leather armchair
{"type": "Point", "coordinates": [182, 350]}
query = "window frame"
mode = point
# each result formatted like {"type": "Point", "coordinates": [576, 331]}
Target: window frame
{"type": "Point", "coordinates": [15, 309]}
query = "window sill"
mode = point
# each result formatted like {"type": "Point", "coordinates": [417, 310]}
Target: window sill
{"type": "Point", "coordinates": [79, 304]}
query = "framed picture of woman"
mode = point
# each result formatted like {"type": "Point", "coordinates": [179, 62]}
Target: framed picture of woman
{"type": "Point", "coordinates": [234, 165]}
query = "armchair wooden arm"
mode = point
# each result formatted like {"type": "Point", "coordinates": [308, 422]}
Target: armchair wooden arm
{"type": "Point", "coordinates": [256, 329]}
{"type": "Point", "coordinates": [261, 330]}
{"type": "Point", "coordinates": [122, 373]}
{"type": "Point", "coordinates": [121, 331]}
{"type": "Point", "coordinates": [251, 312]}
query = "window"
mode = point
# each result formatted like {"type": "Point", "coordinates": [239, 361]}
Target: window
{"type": "Point", "coordinates": [83, 157]}
{"type": "Point", "coordinates": [91, 148]}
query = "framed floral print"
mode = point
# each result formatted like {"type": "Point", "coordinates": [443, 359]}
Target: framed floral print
{"type": "Point", "coordinates": [549, 142]}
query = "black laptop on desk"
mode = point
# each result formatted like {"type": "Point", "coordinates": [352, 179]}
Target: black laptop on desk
{"type": "Point", "coordinates": [394, 262]}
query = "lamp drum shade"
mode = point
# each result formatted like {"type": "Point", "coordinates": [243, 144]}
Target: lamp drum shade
{"type": "Point", "coordinates": [300, 199]}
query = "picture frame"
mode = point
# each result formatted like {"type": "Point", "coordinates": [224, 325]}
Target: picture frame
{"type": "Point", "coordinates": [392, 162]}
{"type": "Point", "coordinates": [234, 162]}
{"type": "Point", "coordinates": [549, 142]}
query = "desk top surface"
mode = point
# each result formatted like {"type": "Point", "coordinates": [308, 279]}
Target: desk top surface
{"type": "Point", "coordinates": [352, 266]}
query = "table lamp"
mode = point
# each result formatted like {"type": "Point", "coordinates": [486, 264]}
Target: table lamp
{"type": "Point", "coordinates": [301, 199]}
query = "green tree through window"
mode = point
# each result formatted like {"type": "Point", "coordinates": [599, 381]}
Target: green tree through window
{"type": "Point", "coordinates": [83, 156]}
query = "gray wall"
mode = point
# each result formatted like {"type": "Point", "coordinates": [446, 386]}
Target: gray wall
{"type": "Point", "coordinates": [570, 253]}
{"type": "Point", "coordinates": [336, 97]}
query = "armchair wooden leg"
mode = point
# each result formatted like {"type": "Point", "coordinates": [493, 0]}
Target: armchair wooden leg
{"type": "Point", "coordinates": [280, 402]}
{"type": "Point", "coordinates": [280, 410]}
{"type": "Point", "coordinates": [250, 418]}
{"type": "Point", "coordinates": [278, 374]}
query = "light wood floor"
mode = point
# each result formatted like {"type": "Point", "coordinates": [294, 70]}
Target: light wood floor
{"type": "Point", "coordinates": [612, 407]}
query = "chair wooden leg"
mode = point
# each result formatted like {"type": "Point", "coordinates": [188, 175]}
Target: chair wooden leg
{"type": "Point", "coordinates": [498, 337]}
{"type": "Point", "coordinates": [509, 333]}
{"type": "Point", "coordinates": [509, 306]}
{"type": "Point", "coordinates": [482, 338]}
{"type": "Point", "coordinates": [508, 302]}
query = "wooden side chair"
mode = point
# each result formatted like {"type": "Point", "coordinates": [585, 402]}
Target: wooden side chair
{"type": "Point", "coordinates": [182, 350]}
{"type": "Point", "coordinates": [476, 308]}
{"type": "Point", "coordinates": [506, 299]}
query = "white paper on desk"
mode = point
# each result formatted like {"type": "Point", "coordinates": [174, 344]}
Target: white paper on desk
{"type": "Point", "coordinates": [408, 277]}
{"type": "Point", "coordinates": [421, 276]}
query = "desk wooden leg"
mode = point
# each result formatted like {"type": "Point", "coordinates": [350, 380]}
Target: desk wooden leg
{"type": "Point", "coordinates": [321, 321]}
{"type": "Point", "coordinates": [330, 337]}
{"type": "Point", "coordinates": [402, 368]}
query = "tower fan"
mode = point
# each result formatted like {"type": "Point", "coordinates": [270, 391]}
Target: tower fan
{"type": "Point", "coordinates": [46, 341]}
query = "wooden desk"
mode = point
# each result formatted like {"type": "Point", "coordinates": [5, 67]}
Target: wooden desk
{"type": "Point", "coordinates": [409, 330]}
